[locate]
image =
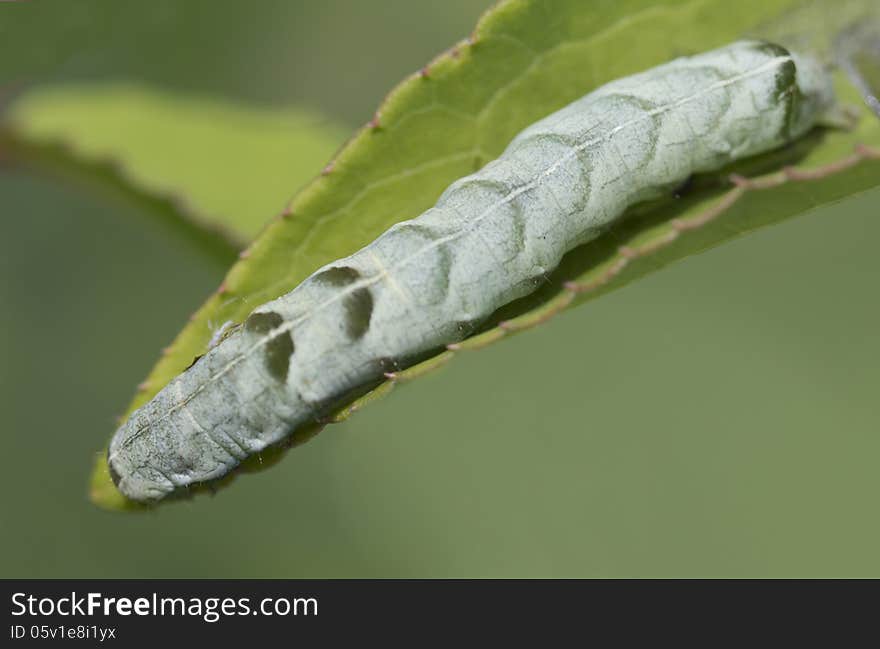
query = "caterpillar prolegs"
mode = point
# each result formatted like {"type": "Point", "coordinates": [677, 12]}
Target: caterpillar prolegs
{"type": "Point", "coordinates": [427, 282]}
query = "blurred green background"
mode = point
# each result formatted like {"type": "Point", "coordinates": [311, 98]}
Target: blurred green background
{"type": "Point", "coordinates": [719, 418]}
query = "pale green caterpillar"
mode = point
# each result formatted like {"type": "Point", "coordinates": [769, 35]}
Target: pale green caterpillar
{"type": "Point", "coordinates": [427, 282]}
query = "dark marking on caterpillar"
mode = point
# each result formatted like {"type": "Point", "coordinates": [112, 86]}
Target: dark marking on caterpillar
{"type": "Point", "coordinates": [337, 276]}
{"type": "Point", "coordinates": [787, 91]}
{"type": "Point", "coordinates": [358, 306]}
{"type": "Point", "coordinates": [279, 348]}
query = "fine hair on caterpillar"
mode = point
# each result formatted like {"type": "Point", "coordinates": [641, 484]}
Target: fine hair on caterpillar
{"type": "Point", "coordinates": [491, 238]}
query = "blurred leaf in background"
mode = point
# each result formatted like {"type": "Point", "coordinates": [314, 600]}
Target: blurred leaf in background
{"type": "Point", "coordinates": [716, 419]}
{"type": "Point", "coordinates": [337, 56]}
{"type": "Point", "coordinates": [225, 165]}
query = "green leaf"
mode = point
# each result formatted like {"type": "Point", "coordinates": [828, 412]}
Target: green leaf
{"type": "Point", "coordinates": [524, 60]}
{"type": "Point", "coordinates": [199, 152]}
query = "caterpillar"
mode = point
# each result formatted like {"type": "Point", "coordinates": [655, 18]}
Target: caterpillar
{"type": "Point", "coordinates": [430, 281]}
